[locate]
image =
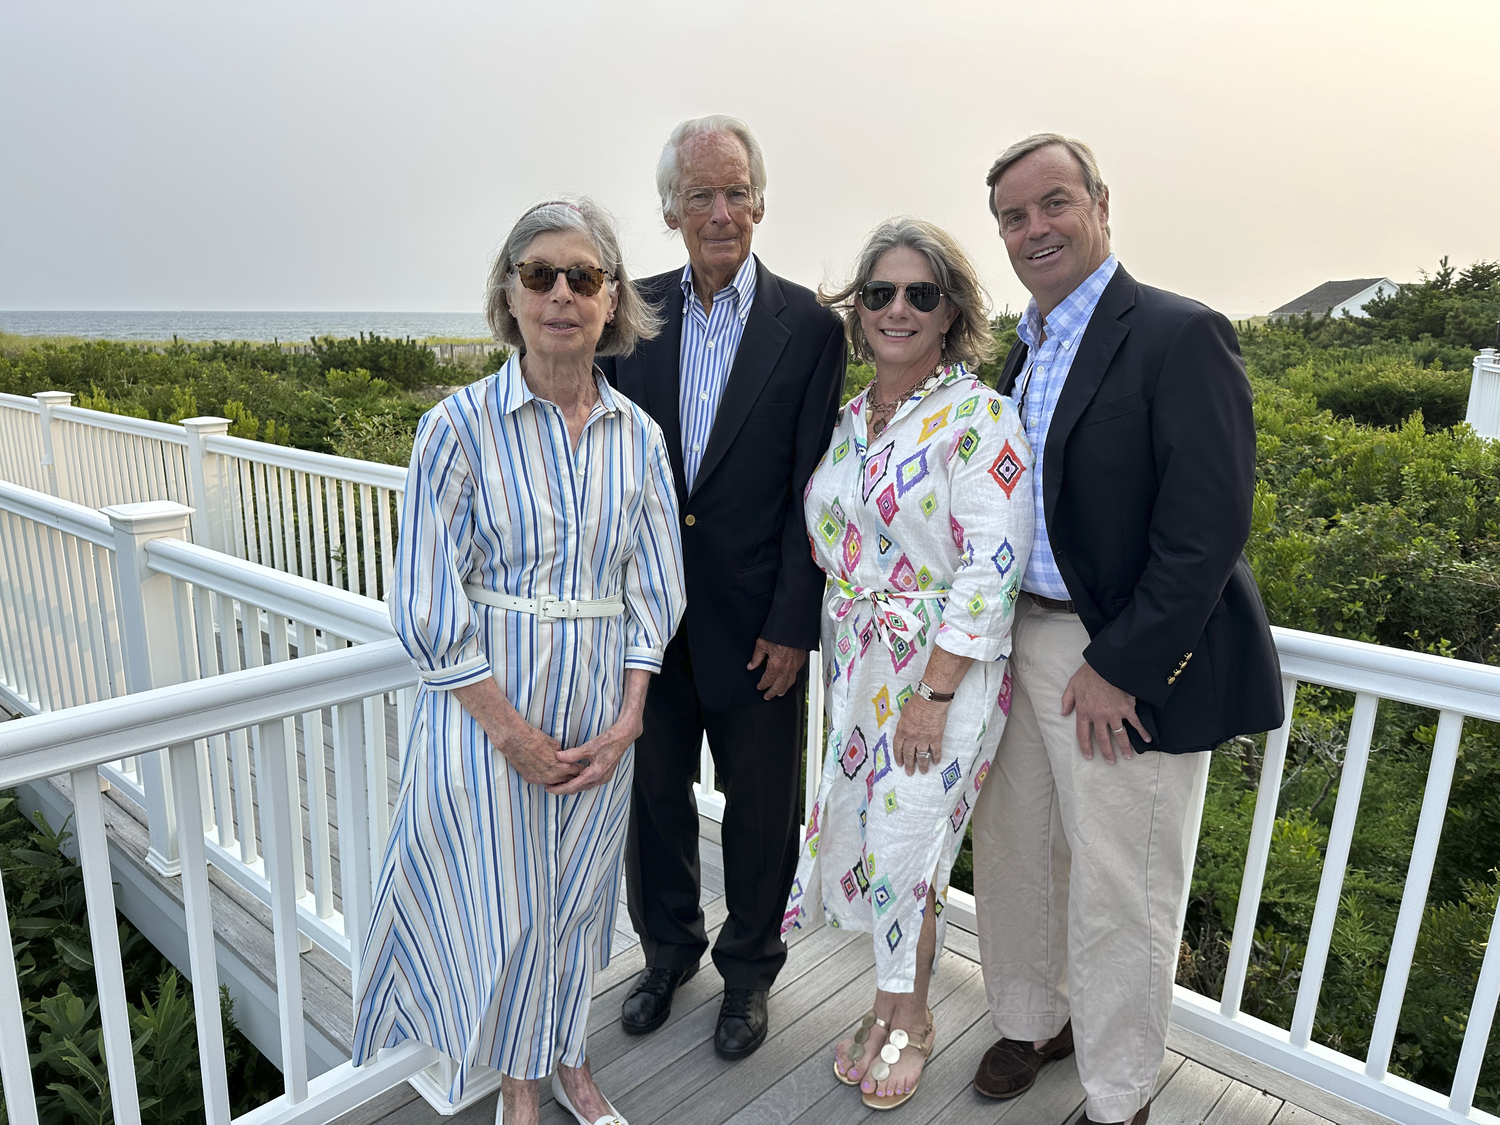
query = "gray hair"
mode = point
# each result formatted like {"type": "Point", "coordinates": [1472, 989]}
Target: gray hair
{"type": "Point", "coordinates": [669, 168]}
{"type": "Point", "coordinates": [1088, 164]}
{"type": "Point", "coordinates": [969, 340]}
{"type": "Point", "coordinates": [634, 319]}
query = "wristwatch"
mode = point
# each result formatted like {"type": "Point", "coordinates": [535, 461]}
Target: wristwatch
{"type": "Point", "coordinates": [933, 696]}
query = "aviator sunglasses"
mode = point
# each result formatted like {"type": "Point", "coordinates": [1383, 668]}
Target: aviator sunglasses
{"type": "Point", "coordinates": [540, 277]}
{"type": "Point", "coordinates": [920, 295]}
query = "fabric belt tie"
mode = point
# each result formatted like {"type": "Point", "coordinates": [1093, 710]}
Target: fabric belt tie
{"type": "Point", "coordinates": [891, 616]}
{"type": "Point", "coordinates": [548, 607]}
{"type": "Point", "coordinates": [1057, 605]}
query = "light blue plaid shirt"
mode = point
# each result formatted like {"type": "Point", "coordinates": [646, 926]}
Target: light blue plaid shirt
{"type": "Point", "coordinates": [709, 344]}
{"type": "Point", "coordinates": [1038, 387]}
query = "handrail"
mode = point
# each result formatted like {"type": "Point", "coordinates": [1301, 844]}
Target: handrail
{"type": "Point", "coordinates": [305, 461]}
{"type": "Point", "coordinates": [349, 615]}
{"type": "Point", "coordinates": [63, 515]}
{"type": "Point", "coordinates": [121, 424]}
{"type": "Point", "coordinates": [57, 742]}
{"type": "Point", "coordinates": [20, 402]}
{"type": "Point", "coordinates": [1419, 678]}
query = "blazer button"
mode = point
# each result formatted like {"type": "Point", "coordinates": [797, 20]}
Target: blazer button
{"type": "Point", "coordinates": [689, 519]}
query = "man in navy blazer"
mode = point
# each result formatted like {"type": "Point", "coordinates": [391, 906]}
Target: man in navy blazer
{"type": "Point", "coordinates": [744, 381]}
{"type": "Point", "coordinates": [1139, 643]}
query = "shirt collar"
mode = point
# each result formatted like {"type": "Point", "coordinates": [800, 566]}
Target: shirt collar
{"type": "Point", "coordinates": [742, 285]}
{"type": "Point", "coordinates": [514, 393]}
{"type": "Point", "coordinates": [1074, 311]}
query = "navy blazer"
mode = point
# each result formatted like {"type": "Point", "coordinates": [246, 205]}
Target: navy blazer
{"type": "Point", "coordinates": [1148, 476]}
{"type": "Point", "coordinates": [746, 559]}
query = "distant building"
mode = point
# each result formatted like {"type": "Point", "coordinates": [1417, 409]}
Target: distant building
{"type": "Point", "coordinates": [1338, 297]}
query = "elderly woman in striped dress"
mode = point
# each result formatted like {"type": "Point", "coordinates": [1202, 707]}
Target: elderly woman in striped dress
{"type": "Point", "coordinates": [538, 580]}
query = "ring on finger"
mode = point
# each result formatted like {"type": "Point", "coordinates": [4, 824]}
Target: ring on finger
{"type": "Point", "coordinates": [1117, 730]}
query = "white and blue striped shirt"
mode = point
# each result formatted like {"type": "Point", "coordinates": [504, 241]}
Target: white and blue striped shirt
{"type": "Point", "coordinates": [1038, 387]}
{"type": "Point", "coordinates": [710, 342]}
{"type": "Point", "coordinates": [496, 899]}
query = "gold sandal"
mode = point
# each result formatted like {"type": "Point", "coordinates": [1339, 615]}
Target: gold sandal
{"type": "Point", "coordinates": [889, 1054]}
{"type": "Point", "coordinates": [870, 1020]}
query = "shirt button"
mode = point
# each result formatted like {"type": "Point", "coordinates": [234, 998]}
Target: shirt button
{"type": "Point", "coordinates": [1041, 371]}
{"type": "Point", "coordinates": [704, 396]}
{"type": "Point", "coordinates": [690, 519]}
{"type": "Point", "coordinates": [697, 446]}
{"type": "Point", "coordinates": [1067, 344]}
{"type": "Point", "coordinates": [710, 343]}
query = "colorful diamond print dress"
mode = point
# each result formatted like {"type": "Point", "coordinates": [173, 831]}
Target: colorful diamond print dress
{"type": "Point", "coordinates": [924, 534]}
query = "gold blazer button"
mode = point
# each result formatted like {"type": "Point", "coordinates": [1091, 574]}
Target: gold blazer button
{"type": "Point", "coordinates": [689, 520]}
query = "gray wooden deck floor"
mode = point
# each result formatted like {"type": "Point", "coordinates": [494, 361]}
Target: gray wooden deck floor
{"type": "Point", "coordinates": [673, 1077]}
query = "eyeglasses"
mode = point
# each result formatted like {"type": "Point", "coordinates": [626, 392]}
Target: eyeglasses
{"type": "Point", "coordinates": [699, 200]}
{"type": "Point", "coordinates": [920, 295]}
{"type": "Point", "coordinates": [539, 277]}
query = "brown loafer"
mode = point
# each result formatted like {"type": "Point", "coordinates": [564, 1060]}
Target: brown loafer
{"type": "Point", "coordinates": [1142, 1115]}
{"type": "Point", "coordinates": [1010, 1067]}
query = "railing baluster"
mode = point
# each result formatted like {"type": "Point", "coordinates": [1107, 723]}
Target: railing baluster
{"type": "Point", "coordinates": [1330, 888]}
{"type": "Point", "coordinates": [351, 538]}
{"type": "Point", "coordinates": [377, 778]}
{"type": "Point", "coordinates": [317, 790]}
{"type": "Point", "coordinates": [15, 1059]}
{"type": "Point", "coordinates": [1267, 796]}
{"type": "Point", "coordinates": [304, 514]}
{"type": "Point", "coordinates": [319, 488]}
{"type": "Point", "coordinates": [351, 789]}
{"type": "Point", "coordinates": [1481, 1020]}
{"type": "Point", "coordinates": [279, 829]}
{"type": "Point", "coordinates": [814, 779]}
{"type": "Point", "coordinates": [367, 525]}
{"type": "Point", "coordinates": [387, 544]}
{"type": "Point", "coordinates": [109, 972]}
{"type": "Point", "coordinates": [1414, 896]}
{"type": "Point", "coordinates": [199, 927]}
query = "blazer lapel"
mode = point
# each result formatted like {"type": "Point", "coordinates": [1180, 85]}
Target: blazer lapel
{"type": "Point", "coordinates": [664, 377]}
{"type": "Point", "coordinates": [760, 347]}
{"type": "Point", "coordinates": [1101, 339]}
{"type": "Point", "coordinates": [1006, 384]}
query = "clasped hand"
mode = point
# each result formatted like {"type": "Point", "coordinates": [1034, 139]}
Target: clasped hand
{"type": "Point", "coordinates": [919, 734]}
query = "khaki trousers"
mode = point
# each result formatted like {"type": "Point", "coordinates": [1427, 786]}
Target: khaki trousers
{"type": "Point", "coordinates": [1080, 868]}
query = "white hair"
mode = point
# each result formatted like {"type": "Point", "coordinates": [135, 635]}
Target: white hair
{"type": "Point", "coordinates": [669, 168]}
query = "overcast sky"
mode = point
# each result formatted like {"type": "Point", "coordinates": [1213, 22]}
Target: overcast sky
{"type": "Point", "coordinates": [371, 156]}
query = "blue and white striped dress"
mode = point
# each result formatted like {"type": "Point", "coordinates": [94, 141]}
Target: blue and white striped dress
{"type": "Point", "coordinates": [496, 901]}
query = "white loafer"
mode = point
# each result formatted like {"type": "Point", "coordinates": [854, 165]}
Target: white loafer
{"type": "Point", "coordinates": [610, 1118]}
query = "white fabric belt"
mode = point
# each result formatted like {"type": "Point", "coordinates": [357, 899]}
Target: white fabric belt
{"type": "Point", "coordinates": [549, 607]}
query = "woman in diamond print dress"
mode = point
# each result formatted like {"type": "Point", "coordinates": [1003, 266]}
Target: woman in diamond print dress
{"type": "Point", "coordinates": [921, 514]}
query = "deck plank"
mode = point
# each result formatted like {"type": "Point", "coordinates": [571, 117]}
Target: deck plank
{"type": "Point", "coordinates": [1244, 1105]}
{"type": "Point", "coordinates": [1190, 1096]}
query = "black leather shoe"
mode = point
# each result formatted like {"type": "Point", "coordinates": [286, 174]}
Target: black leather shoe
{"type": "Point", "coordinates": [742, 1023]}
{"type": "Point", "coordinates": [650, 1001]}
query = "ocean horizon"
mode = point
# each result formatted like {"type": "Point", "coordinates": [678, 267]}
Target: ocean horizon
{"type": "Point", "coordinates": [258, 327]}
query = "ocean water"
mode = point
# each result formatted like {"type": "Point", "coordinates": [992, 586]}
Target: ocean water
{"type": "Point", "coordinates": [288, 327]}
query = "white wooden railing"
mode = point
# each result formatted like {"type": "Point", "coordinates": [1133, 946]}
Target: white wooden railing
{"type": "Point", "coordinates": [76, 742]}
{"type": "Point", "coordinates": [95, 603]}
{"type": "Point", "coordinates": [329, 519]}
{"type": "Point", "coordinates": [1484, 394]}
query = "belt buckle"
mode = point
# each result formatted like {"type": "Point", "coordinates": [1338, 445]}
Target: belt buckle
{"type": "Point", "coordinates": [545, 607]}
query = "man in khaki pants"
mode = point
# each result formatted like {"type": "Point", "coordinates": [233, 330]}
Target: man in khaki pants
{"type": "Point", "coordinates": [1140, 642]}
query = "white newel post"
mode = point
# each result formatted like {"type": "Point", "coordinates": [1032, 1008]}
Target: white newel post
{"type": "Point", "coordinates": [206, 479]}
{"type": "Point", "coordinates": [1484, 394]}
{"type": "Point", "coordinates": [148, 635]}
{"type": "Point", "coordinates": [55, 480]}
